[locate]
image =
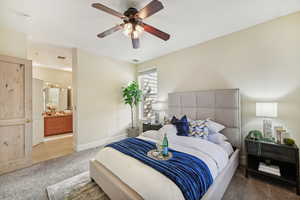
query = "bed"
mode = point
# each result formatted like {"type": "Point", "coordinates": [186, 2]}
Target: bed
{"type": "Point", "coordinates": [121, 177]}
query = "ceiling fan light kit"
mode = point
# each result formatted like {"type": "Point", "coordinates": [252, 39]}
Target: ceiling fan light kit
{"type": "Point", "coordinates": [137, 30]}
{"type": "Point", "coordinates": [133, 25]}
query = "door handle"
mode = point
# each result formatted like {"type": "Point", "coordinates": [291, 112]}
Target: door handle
{"type": "Point", "coordinates": [28, 121]}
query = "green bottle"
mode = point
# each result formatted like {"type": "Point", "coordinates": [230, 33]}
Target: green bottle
{"type": "Point", "coordinates": [165, 145]}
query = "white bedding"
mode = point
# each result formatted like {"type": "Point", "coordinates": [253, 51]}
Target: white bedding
{"type": "Point", "coordinates": [227, 147]}
{"type": "Point", "coordinates": [148, 182]}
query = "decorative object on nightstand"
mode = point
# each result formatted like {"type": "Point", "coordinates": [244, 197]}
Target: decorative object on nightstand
{"type": "Point", "coordinates": [255, 135]}
{"type": "Point", "coordinates": [166, 120]}
{"type": "Point", "coordinates": [156, 107]}
{"type": "Point", "coordinates": [281, 134]}
{"type": "Point", "coordinates": [278, 135]}
{"type": "Point", "coordinates": [272, 160]}
{"type": "Point", "coordinates": [267, 111]}
{"type": "Point", "coordinates": [289, 141]}
{"type": "Point", "coordinates": [149, 126]}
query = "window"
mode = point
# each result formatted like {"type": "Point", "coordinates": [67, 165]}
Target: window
{"type": "Point", "coordinates": [148, 84]}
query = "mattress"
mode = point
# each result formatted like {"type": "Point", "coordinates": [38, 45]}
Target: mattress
{"type": "Point", "coordinates": [148, 182]}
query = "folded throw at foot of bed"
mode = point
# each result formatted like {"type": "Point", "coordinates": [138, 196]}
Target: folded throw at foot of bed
{"type": "Point", "coordinates": [188, 172]}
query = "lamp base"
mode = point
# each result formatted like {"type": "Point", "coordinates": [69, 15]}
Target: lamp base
{"type": "Point", "coordinates": [267, 128]}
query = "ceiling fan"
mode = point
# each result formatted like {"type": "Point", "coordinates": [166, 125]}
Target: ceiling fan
{"type": "Point", "coordinates": [133, 25]}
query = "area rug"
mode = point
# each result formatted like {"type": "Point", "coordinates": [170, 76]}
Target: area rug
{"type": "Point", "coordinates": [79, 187]}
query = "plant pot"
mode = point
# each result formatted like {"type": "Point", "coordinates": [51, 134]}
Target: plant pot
{"type": "Point", "coordinates": [133, 132]}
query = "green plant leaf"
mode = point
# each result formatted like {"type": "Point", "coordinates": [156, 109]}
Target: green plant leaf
{"type": "Point", "coordinates": [132, 95]}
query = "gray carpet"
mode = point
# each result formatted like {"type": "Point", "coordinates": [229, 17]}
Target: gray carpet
{"type": "Point", "coordinates": [31, 183]}
{"type": "Point", "coordinates": [79, 187]}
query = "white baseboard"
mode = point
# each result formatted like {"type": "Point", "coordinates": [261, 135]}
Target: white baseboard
{"type": "Point", "coordinates": [116, 138]}
{"type": "Point", "coordinates": [99, 143]}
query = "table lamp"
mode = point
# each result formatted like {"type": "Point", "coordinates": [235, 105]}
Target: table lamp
{"type": "Point", "coordinates": [267, 110]}
{"type": "Point", "coordinates": [157, 108]}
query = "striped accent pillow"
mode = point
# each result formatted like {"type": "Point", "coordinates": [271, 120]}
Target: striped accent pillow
{"type": "Point", "coordinates": [198, 128]}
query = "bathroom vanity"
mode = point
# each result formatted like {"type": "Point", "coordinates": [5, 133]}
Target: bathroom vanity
{"type": "Point", "coordinates": [58, 124]}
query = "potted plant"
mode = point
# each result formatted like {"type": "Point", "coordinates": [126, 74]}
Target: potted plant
{"type": "Point", "coordinates": [132, 95]}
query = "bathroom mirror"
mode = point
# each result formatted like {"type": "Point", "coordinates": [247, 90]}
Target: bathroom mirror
{"type": "Point", "coordinates": [57, 98]}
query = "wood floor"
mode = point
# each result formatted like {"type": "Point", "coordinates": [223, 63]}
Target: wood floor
{"type": "Point", "coordinates": [256, 188]}
{"type": "Point", "coordinates": [52, 149]}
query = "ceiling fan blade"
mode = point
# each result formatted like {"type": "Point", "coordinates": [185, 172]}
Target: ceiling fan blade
{"type": "Point", "coordinates": [110, 31]}
{"type": "Point", "coordinates": [154, 31]}
{"type": "Point", "coordinates": [135, 42]}
{"type": "Point", "coordinates": [153, 7]}
{"type": "Point", "coordinates": [108, 10]}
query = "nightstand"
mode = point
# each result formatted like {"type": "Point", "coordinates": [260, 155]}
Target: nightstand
{"type": "Point", "coordinates": [284, 156]}
{"type": "Point", "coordinates": [149, 126]}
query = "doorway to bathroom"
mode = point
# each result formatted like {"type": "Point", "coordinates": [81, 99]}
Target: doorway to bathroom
{"type": "Point", "coordinates": [52, 101]}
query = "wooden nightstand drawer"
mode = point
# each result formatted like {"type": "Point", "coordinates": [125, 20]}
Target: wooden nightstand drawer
{"type": "Point", "coordinates": [278, 153]}
{"type": "Point", "coordinates": [252, 148]}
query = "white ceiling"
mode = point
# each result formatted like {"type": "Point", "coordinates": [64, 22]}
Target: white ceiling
{"type": "Point", "coordinates": [74, 23]}
{"type": "Point", "coordinates": [45, 55]}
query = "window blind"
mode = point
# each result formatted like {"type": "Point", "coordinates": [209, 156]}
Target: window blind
{"type": "Point", "coordinates": [149, 85]}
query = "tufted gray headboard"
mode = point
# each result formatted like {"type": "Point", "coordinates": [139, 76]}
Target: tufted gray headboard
{"type": "Point", "coordinates": [222, 106]}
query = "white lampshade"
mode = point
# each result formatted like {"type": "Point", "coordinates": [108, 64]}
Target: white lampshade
{"type": "Point", "coordinates": [266, 109]}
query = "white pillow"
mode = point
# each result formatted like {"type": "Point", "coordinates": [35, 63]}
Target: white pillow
{"type": "Point", "coordinates": [214, 126]}
{"type": "Point", "coordinates": [217, 138]}
{"type": "Point", "coordinates": [169, 129]}
{"type": "Point", "coordinates": [152, 134]}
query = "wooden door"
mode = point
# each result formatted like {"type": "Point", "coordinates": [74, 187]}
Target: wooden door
{"type": "Point", "coordinates": [15, 113]}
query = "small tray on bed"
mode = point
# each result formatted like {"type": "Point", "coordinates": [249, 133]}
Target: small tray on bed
{"type": "Point", "coordinates": [158, 156]}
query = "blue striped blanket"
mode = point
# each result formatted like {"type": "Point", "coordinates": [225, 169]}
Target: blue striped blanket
{"type": "Point", "coordinates": [188, 172]}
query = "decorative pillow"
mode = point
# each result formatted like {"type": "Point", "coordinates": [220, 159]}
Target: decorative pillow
{"type": "Point", "coordinates": [199, 128]}
{"type": "Point", "coordinates": [214, 126]}
{"type": "Point", "coordinates": [169, 119]}
{"type": "Point", "coordinates": [182, 125]}
{"type": "Point", "coordinates": [217, 138]}
{"type": "Point", "coordinates": [169, 129]}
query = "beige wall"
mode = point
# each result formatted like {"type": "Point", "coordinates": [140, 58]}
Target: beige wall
{"type": "Point", "coordinates": [63, 78]}
{"type": "Point", "coordinates": [263, 61]}
{"type": "Point", "coordinates": [101, 114]}
{"type": "Point", "coordinates": [12, 43]}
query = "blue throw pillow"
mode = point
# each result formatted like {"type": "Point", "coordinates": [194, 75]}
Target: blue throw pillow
{"type": "Point", "coordinates": [182, 125]}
